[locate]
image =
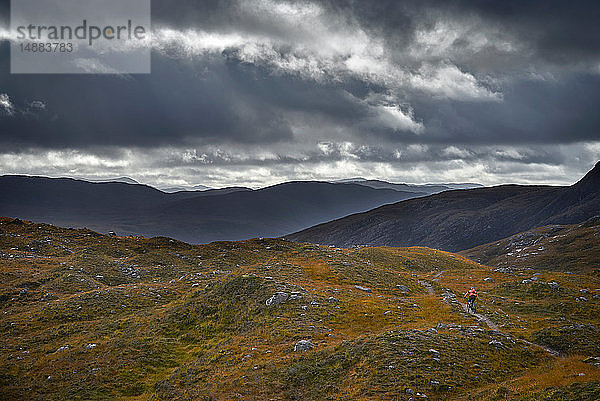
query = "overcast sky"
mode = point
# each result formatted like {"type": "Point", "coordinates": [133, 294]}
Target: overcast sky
{"type": "Point", "coordinates": [256, 92]}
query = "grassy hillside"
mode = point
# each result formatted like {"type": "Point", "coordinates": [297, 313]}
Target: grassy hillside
{"type": "Point", "coordinates": [87, 316]}
{"type": "Point", "coordinates": [574, 247]}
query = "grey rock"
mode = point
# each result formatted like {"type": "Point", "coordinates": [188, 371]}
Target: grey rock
{"type": "Point", "coordinates": [409, 391]}
{"type": "Point", "coordinates": [553, 285]}
{"type": "Point", "coordinates": [496, 344]}
{"type": "Point", "coordinates": [366, 289]}
{"type": "Point", "coordinates": [488, 280]}
{"type": "Point", "coordinates": [526, 281]}
{"type": "Point", "coordinates": [403, 288]}
{"type": "Point", "coordinates": [277, 298]}
{"type": "Point", "coordinates": [303, 345]}
{"type": "Point", "coordinates": [594, 360]}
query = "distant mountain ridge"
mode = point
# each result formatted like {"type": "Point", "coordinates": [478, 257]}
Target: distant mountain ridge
{"type": "Point", "coordinates": [172, 189]}
{"type": "Point", "coordinates": [125, 180]}
{"type": "Point", "coordinates": [426, 188]}
{"type": "Point", "coordinates": [192, 216]}
{"type": "Point", "coordinates": [458, 220]}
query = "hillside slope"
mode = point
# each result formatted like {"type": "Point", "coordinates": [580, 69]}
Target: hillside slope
{"type": "Point", "coordinates": [87, 316]}
{"type": "Point", "coordinates": [198, 217]}
{"type": "Point", "coordinates": [574, 247]}
{"type": "Point", "coordinates": [459, 220]}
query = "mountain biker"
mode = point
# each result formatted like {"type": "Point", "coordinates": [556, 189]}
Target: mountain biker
{"type": "Point", "coordinates": [471, 296]}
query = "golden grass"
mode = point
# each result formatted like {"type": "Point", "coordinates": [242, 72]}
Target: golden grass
{"type": "Point", "coordinates": [559, 372]}
{"type": "Point", "coordinates": [187, 355]}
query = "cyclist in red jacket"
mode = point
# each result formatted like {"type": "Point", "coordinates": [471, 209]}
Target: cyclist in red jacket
{"type": "Point", "coordinates": [471, 296]}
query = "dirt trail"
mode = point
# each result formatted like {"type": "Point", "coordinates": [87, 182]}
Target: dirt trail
{"type": "Point", "coordinates": [482, 318]}
{"type": "Point", "coordinates": [427, 286]}
{"type": "Point", "coordinates": [493, 326]}
{"type": "Point", "coordinates": [487, 321]}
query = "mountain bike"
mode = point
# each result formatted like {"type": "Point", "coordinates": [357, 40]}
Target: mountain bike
{"type": "Point", "coordinates": [471, 306]}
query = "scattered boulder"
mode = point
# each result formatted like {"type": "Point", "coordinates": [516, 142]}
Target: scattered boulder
{"type": "Point", "coordinates": [303, 345]}
{"type": "Point", "coordinates": [295, 295]}
{"type": "Point", "coordinates": [277, 298]}
{"type": "Point", "coordinates": [496, 344]}
{"type": "Point", "coordinates": [488, 280]}
{"type": "Point", "coordinates": [593, 360]}
{"type": "Point", "coordinates": [526, 281]}
{"type": "Point", "coordinates": [403, 288]}
{"type": "Point", "coordinates": [63, 348]}
{"type": "Point", "coordinates": [366, 289]}
{"type": "Point", "coordinates": [553, 285]}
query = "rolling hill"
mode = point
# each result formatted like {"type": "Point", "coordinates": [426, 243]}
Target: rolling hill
{"type": "Point", "coordinates": [88, 316]}
{"type": "Point", "coordinates": [462, 219]}
{"type": "Point", "coordinates": [574, 247]}
{"type": "Point", "coordinates": [198, 217]}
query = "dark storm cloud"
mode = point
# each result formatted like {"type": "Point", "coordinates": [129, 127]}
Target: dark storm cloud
{"type": "Point", "coordinates": [558, 30]}
{"type": "Point", "coordinates": [329, 81]}
{"type": "Point", "coordinates": [532, 111]}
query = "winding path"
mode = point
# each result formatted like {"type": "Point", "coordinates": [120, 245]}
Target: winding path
{"type": "Point", "coordinates": [487, 321]}
{"type": "Point", "coordinates": [481, 317]}
{"type": "Point", "coordinates": [427, 286]}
